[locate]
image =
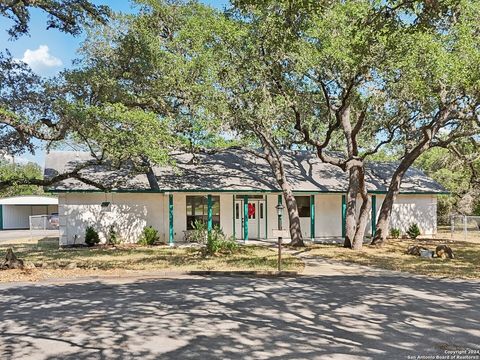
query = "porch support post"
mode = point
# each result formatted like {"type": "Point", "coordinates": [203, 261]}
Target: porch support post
{"type": "Point", "coordinates": [233, 216]}
{"type": "Point", "coordinates": [266, 216]}
{"type": "Point", "coordinates": [170, 219]}
{"type": "Point", "coordinates": [344, 215]}
{"type": "Point", "coordinates": [374, 214]}
{"type": "Point", "coordinates": [279, 202]}
{"type": "Point", "coordinates": [312, 217]}
{"type": "Point", "coordinates": [209, 214]}
{"type": "Point", "coordinates": [245, 217]}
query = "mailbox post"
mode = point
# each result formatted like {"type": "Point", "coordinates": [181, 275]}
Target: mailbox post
{"type": "Point", "coordinates": [279, 208]}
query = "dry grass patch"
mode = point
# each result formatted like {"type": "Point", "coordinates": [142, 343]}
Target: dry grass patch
{"type": "Point", "coordinates": [391, 256]}
{"type": "Point", "coordinates": [103, 260]}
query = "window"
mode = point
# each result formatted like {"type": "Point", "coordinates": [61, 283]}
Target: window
{"type": "Point", "coordinates": [197, 210]}
{"type": "Point", "coordinates": [261, 210]}
{"type": "Point", "coordinates": [303, 205]}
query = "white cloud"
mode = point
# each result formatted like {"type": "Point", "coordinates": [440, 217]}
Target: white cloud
{"type": "Point", "coordinates": [41, 58]}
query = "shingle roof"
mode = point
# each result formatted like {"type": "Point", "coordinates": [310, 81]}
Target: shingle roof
{"type": "Point", "coordinates": [233, 170]}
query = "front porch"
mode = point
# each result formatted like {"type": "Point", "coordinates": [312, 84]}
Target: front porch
{"type": "Point", "coordinates": [253, 216]}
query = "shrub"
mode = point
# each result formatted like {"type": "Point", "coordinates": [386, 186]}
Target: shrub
{"type": "Point", "coordinates": [230, 245]}
{"type": "Point", "coordinates": [395, 233]}
{"type": "Point", "coordinates": [216, 242]}
{"type": "Point", "coordinates": [213, 243]}
{"type": "Point", "coordinates": [149, 236]}
{"type": "Point", "coordinates": [199, 232]}
{"type": "Point", "coordinates": [91, 236]}
{"type": "Point", "coordinates": [113, 238]}
{"type": "Point", "coordinates": [413, 231]}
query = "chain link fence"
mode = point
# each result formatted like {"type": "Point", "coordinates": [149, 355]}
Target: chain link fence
{"type": "Point", "coordinates": [464, 227]}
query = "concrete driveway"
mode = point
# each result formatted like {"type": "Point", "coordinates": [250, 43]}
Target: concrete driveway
{"type": "Point", "coordinates": [330, 317]}
{"type": "Point", "coordinates": [15, 235]}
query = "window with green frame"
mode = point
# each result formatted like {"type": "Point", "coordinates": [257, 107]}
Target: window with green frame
{"type": "Point", "coordinates": [197, 210]}
{"type": "Point", "coordinates": [303, 205]}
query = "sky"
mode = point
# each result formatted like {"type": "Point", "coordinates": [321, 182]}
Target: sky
{"type": "Point", "coordinates": [50, 51]}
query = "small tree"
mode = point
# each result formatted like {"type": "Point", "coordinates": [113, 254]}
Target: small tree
{"type": "Point", "coordinates": [91, 236]}
{"type": "Point", "coordinates": [413, 231]}
{"type": "Point", "coordinates": [394, 233]}
{"type": "Point", "coordinates": [113, 238]}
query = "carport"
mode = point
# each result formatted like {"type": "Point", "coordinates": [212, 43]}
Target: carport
{"type": "Point", "coordinates": [15, 211]}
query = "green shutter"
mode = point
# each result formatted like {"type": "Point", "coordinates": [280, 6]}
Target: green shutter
{"type": "Point", "coordinates": [374, 215]}
{"type": "Point", "coordinates": [266, 216]}
{"type": "Point", "coordinates": [312, 217]}
{"type": "Point", "coordinates": [1, 217]}
{"type": "Point", "coordinates": [170, 219]}
{"type": "Point", "coordinates": [233, 216]}
{"type": "Point", "coordinates": [209, 213]}
{"type": "Point", "coordinates": [344, 215]}
{"type": "Point", "coordinates": [245, 217]}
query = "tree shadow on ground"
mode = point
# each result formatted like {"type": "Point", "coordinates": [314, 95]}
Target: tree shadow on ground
{"type": "Point", "coordinates": [361, 317]}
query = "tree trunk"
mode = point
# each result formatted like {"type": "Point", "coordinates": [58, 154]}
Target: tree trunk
{"type": "Point", "coordinates": [278, 170]}
{"type": "Point", "coordinates": [356, 223]}
{"type": "Point", "coordinates": [151, 177]}
{"type": "Point", "coordinates": [293, 217]}
{"type": "Point", "coordinates": [382, 228]}
{"type": "Point", "coordinates": [351, 213]}
{"type": "Point", "coordinates": [11, 261]}
{"type": "Point", "coordinates": [364, 211]}
{"type": "Point", "coordinates": [273, 157]}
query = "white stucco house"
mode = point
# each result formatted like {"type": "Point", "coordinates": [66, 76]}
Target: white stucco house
{"type": "Point", "coordinates": [15, 211]}
{"type": "Point", "coordinates": [231, 189]}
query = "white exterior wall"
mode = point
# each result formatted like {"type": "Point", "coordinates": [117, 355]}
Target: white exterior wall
{"type": "Point", "coordinates": [129, 213]}
{"type": "Point", "coordinates": [179, 216]}
{"type": "Point", "coordinates": [409, 209]}
{"type": "Point", "coordinates": [272, 217]}
{"type": "Point", "coordinates": [328, 216]}
{"type": "Point", "coordinates": [226, 214]}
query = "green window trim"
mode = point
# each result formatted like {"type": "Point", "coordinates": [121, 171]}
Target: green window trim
{"type": "Point", "coordinates": [245, 217]}
{"type": "Point", "coordinates": [374, 215]}
{"type": "Point", "coordinates": [209, 213]}
{"type": "Point", "coordinates": [233, 216]}
{"type": "Point", "coordinates": [170, 219]}
{"type": "Point", "coordinates": [203, 208]}
{"type": "Point", "coordinates": [312, 217]}
{"type": "Point", "coordinates": [266, 217]}
{"type": "Point", "coordinates": [344, 216]}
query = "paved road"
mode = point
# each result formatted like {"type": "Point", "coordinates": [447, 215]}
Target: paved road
{"type": "Point", "coordinates": [329, 317]}
{"type": "Point", "coordinates": [11, 235]}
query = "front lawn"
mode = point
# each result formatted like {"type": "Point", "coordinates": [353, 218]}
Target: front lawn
{"type": "Point", "coordinates": [391, 256]}
{"type": "Point", "coordinates": [127, 259]}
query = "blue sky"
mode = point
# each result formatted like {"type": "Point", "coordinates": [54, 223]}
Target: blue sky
{"type": "Point", "coordinates": [50, 51]}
